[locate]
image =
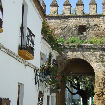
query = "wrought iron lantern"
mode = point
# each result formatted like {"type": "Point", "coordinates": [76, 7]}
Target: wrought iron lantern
{"type": "Point", "coordinates": [43, 76]}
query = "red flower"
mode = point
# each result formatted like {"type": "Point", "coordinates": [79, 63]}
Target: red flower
{"type": "Point", "coordinates": [57, 76]}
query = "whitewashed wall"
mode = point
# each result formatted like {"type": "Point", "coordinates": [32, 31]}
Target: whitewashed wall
{"type": "Point", "coordinates": [45, 50]}
{"type": "Point", "coordinates": [12, 71]}
{"type": "Point", "coordinates": [12, 16]}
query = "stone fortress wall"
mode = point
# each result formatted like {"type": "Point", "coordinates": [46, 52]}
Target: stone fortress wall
{"type": "Point", "coordinates": [83, 25]}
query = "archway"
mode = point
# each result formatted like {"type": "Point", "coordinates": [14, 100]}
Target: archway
{"type": "Point", "coordinates": [75, 67]}
{"type": "Point", "coordinates": [82, 63]}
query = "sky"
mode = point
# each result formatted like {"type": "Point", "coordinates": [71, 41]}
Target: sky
{"type": "Point", "coordinates": [73, 4]}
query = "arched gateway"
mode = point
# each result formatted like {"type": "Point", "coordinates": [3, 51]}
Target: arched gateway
{"type": "Point", "coordinates": [87, 59]}
{"type": "Point", "coordinates": [84, 60]}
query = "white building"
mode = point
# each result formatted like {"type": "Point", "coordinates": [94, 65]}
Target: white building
{"type": "Point", "coordinates": [48, 98]}
{"type": "Point", "coordinates": [17, 74]}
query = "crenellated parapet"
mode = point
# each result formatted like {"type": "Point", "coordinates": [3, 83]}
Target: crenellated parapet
{"type": "Point", "coordinates": [92, 7]}
{"type": "Point", "coordinates": [54, 7]}
{"type": "Point", "coordinates": [103, 7]}
{"type": "Point", "coordinates": [79, 7]}
{"type": "Point", "coordinates": [66, 7]}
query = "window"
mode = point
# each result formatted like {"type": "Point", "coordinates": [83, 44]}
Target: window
{"type": "Point", "coordinates": [48, 100]}
{"type": "Point", "coordinates": [20, 94]}
{"type": "Point", "coordinates": [26, 46]}
{"type": "Point", "coordinates": [81, 29]}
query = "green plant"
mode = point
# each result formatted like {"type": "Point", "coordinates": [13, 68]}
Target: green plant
{"type": "Point", "coordinates": [72, 14]}
{"type": "Point", "coordinates": [100, 14]}
{"type": "Point", "coordinates": [85, 41]}
{"type": "Point", "coordinates": [60, 40]}
{"type": "Point", "coordinates": [49, 35]}
{"type": "Point", "coordinates": [32, 48]}
{"type": "Point", "coordinates": [74, 11]}
{"type": "Point", "coordinates": [53, 68]}
{"type": "Point", "coordinates": [92, 40]}
{"type": "Point", "coordinates": [95, 40]}
{"type": "Point", "coordinates": [66, 42]}
{"type": "Point", "coordinates": [76, 40]}
{"type": "Point", "coordinates": [102, 61]}
{"type": "Point", "coordinates": [73, 39]}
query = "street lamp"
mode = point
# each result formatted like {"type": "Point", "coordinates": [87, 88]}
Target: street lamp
{"type": "Point", "coordinates": [43, 77]}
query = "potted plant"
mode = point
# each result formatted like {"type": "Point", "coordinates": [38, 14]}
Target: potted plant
{"type": "Point", "coordinates": [53, 71]}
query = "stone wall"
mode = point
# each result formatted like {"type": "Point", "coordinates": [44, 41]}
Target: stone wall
{"type": "Point", "coordinates": [67, 26]}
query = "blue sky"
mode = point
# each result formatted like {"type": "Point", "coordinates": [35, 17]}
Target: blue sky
{"type": "Point", "coordinates": [73, 4]}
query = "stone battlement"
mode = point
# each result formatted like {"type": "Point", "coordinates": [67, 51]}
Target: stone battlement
{"type": "Point", "coordinates": [79, 7]}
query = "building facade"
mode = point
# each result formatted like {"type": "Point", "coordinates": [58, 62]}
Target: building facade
{"type": "Point", "coordinates": [20, 44]}
{"type": "Point", "coordinates": [48, 97]}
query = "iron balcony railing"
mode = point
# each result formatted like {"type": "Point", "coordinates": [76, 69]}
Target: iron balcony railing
{"type": "Point", "coordinates": [1, 13]}
{"type": "Point", "coordinates": [27, 41]}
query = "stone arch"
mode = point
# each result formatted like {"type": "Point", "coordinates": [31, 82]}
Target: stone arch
{"type": "Point", "coordinates": [77, 66]}
{"type": "Point", "coordinates": [99, 69]}
{"type": "Point", "coordinates": [90, 57]}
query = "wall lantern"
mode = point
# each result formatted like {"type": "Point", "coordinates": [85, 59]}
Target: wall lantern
{"type": "Point", "coordinates": [43, 77]}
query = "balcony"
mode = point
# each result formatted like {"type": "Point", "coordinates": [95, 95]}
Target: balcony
{"type": "Point", "coordinates": [26, 51]}
{"type": "Point", "coordinates": [1, 30]}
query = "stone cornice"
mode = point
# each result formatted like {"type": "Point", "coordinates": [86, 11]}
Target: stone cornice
{"type": "Point", "coordinates": [74, 16]}
{"type": "Point", "coordinates": [83, 46]}
{"type": "Point", "coordinates": [16, 57]}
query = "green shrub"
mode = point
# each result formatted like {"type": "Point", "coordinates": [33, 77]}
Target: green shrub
{"type": "Point", "coordinates": [73, 39]}
{"type": "Point", "coordinates": [93, 40]}
{"type": "Point", "coordinates": [66, 42]}
{"type": "Point", "coordinates": [60, 40]}
{"type": "Point", "coordinates": [80, 41]}
{"type": "Point", "coordinates": [76, 40]}
{"type": "Point", "coordinates": [85, 41]}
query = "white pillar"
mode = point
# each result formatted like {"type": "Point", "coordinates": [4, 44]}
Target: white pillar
{"type": "Point", "coordinates": [90, 101]}
{"type": "Point", "coordinates": [81, 101]}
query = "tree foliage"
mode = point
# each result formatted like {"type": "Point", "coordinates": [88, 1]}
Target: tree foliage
{"type": "Point", "coordinates": [83, 84]}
